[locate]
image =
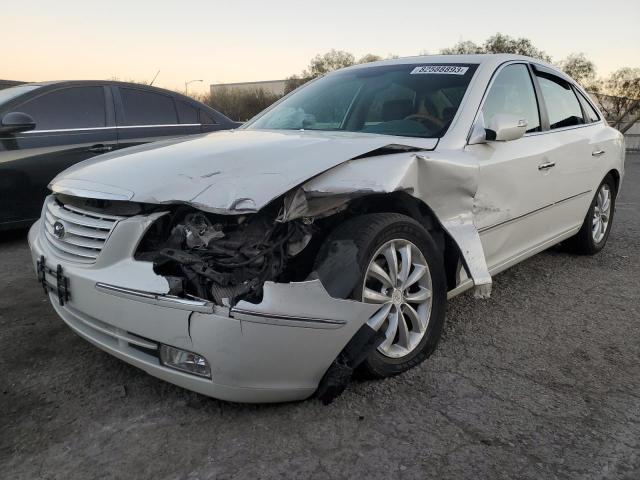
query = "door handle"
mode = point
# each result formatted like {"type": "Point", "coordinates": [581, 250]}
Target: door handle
{"type": "Point", "coordinates": [597, 153]}
{"type": "Point", "coordinates": [100, 148]}
{"type": "Point", "coordinates": [546, 165]}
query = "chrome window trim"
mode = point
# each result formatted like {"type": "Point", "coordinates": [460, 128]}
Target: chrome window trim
{"type": "Point", "coordinates": [109, 128]}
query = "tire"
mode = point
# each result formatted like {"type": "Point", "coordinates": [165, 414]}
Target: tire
{"type": "Point", "coordinates": [586, 242]}
{"type": "Point", "coordinates": [370, 233]}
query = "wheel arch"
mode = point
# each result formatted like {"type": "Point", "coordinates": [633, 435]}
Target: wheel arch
{"type": "Point", "coordinates": [615, 174]}
{"type": "Point", "coordinates": [406, 204]}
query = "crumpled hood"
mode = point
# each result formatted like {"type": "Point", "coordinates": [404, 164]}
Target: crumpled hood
{"type": "Point", "coordinates": [225, 172]}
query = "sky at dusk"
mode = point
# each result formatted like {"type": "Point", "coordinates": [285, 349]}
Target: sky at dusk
{"type": "Point", "coordinates": [225, 41]}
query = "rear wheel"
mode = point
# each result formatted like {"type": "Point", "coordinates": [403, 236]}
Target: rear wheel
{"type": "Point", "coordinates": [595, 229]}
{"type": "Point", "coordinates": [401, 270]}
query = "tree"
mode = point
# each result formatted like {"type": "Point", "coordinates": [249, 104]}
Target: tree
{"type": "Point", "coordinates": [370, 57]}
{"type": "Point", "coordinates": [320, 65]}
{"type": "Point", "coordinates": [463, 47]}
{"type": "Point", "coordinates": [624, 84]}
{"type": "Point", "coordinates": [239, 104]}
{"type": "Point", "coordinates": [582, 70]}
{"type": "Point", "coordinates": [325, 63]}
{"type": "Point", "coordinates": [498, 43]}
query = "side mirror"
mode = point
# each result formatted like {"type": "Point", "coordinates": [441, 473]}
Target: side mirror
{"type": "Point", "coordinates": [14, 122]}
{"type": "Point", "coordinates": [505, 126]}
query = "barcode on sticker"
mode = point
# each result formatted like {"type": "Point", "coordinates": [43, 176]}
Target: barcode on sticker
{"type": "Point", "coordinates": [440, 70]}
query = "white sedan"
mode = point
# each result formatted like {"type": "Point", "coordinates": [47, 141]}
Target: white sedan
{"type": "Point", "coordinates": [324, 237]}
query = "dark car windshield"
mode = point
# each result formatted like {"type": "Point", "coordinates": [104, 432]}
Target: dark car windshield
{"type": "Point", "coordinates": [13, 92]}
{"type": "Point", "coordinates": [413, 100]}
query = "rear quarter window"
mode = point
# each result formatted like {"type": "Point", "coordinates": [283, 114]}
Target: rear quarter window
{"type": "Point", "coordinates": [147, 108]}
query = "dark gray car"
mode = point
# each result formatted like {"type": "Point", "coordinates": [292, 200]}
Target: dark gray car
{"type": "Point", "coordinates": [47, 127]}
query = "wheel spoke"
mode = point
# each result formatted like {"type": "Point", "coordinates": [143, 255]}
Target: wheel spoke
{"type": "Point", "coordinates": [418, 323]}
{"type": "Point", "coordinates": [371, 296]}
{"type": "Point", "coordinates": [418, 272]}
{"type": "Point", "coordinates": [392, 328]}
{"type": "Point", "coordinates": [392, 262]}
{"type": "Point", "coordinates": [606, 203]}
{"type": "Point", "coordinates": [377, 272]}
{"type": "Point", "coordinates": [378, 318]}
{"type": "Point", "coordinates": [596, 226]}
{"type": "Point", "coordinates": [405, 254]}
{"type": "Point", "coordinates": [418, 297]}
{"type": "Point", "coordinates": [403, 331]}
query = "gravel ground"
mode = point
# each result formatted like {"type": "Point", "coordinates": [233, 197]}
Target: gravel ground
{"type": "Point", "coordinates": [540, 381]}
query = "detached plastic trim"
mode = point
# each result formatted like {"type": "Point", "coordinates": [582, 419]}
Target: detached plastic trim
{"type": "Point", "coordinates": [162, 300]}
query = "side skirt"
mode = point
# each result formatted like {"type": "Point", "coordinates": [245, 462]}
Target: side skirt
{"type": "Point", "coordinates": [495, 269]}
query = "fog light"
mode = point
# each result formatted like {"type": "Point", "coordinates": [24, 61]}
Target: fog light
{"type": "Point", "coordinates": [184, 361]}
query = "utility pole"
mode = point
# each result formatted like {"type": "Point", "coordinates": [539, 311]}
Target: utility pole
{"type": "Point", "coordinates": [186, 85]}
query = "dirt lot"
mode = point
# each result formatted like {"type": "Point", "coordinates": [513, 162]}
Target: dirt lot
{"type": "Point", "coordinates": [540, 381]}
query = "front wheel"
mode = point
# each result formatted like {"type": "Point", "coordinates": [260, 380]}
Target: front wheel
{"type": "Point", "coordinates": [400, 269]}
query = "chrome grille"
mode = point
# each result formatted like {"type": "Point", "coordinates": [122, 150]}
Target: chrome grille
{"type": "Point", "coordinates": [77, 234]}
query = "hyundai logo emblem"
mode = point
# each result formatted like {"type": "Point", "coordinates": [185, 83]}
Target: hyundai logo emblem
{"type": "Point", "coordinates": [58, 229]}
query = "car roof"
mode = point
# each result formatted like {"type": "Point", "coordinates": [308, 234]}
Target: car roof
{"type": "Point", "coordinates": [219, 116]}
{"type": "Point", "coordinates": [65, 83]}
{"type": "Point", "coordinates": [490, 60]}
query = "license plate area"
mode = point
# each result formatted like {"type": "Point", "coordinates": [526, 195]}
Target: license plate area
{"type": "Point", "coordinates": [61, 285]}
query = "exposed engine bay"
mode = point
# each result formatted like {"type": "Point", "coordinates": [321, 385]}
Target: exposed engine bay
{"type": "Point", "coordinates": [223, 258]}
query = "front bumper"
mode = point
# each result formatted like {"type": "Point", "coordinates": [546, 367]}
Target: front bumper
{"type": "Point", "coordinates": [275, 351]}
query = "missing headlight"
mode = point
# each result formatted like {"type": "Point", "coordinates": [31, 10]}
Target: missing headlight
{"type": "Point", "coordinates": [223, 258]}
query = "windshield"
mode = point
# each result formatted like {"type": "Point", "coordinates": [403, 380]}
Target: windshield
{"type": "Point", "coordinates": [412, 100]}
{"type": "Point", "coordinates": [13, 92]}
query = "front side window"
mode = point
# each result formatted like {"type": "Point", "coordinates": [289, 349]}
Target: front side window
{"type": "Point", "coordinates": [69, 108]}
{"type": "Point", "coordinates": [562, 104]}
{"type": "Point", "coordinates": [512, 92]}
{"type": "Point", "coordinates": [414, 100]}
{"type": "Point", "coordinates": [147, 108]}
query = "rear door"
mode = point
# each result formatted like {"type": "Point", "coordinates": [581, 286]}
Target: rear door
{"type": "Point", "coordinates": [73, 123]}
{"type": "Point", "coordinates": [573, 150]}
{"type": "Point", "coordinates": [144, 116]}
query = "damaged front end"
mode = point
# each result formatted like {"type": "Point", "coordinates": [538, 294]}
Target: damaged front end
{"type": "Point", "coordinates": [223, 258]}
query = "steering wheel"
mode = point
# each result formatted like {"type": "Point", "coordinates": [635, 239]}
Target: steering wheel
{"type": "Point", "coordinates": [429, 121]}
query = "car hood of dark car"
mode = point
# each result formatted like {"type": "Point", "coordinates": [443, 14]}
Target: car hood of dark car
{"type": "Point", "coordinates": [225, 172]}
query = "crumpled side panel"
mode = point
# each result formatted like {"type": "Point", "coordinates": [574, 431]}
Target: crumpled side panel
{"type": "Point", "coordinates": [445, 181]}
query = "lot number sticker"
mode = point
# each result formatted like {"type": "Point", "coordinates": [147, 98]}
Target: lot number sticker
{"type": "Point", "coordinates": [440, 70]}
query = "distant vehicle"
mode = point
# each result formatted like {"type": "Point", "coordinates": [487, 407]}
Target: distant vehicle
{"type": "Point", "coordinates": [47, 127]}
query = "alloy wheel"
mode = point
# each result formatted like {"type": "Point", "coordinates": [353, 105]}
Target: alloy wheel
{"type": "Point", "coordinates": [601, 213]}
{"type": "Point", "coordinates": [398, 279]}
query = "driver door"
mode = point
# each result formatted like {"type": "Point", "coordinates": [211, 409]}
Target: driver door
{"type": "Point", "coordinates": [514, 186]}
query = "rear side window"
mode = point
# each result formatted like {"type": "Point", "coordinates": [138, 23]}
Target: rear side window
{"type": "Point", "coordinates": [592, 115]}
{"type": "Point", "coordinates": [512, 92]}
{"type": "Point", "coordinates": [69, 108]}
{"type": "Point", "coordinates": [186, 113]}
{"type": "Point", "coordinates": [562, 104]}
{"type": "Point", "coordinates": [206, 119]}
{"type": "Point", "coordinates": [147, 108]}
